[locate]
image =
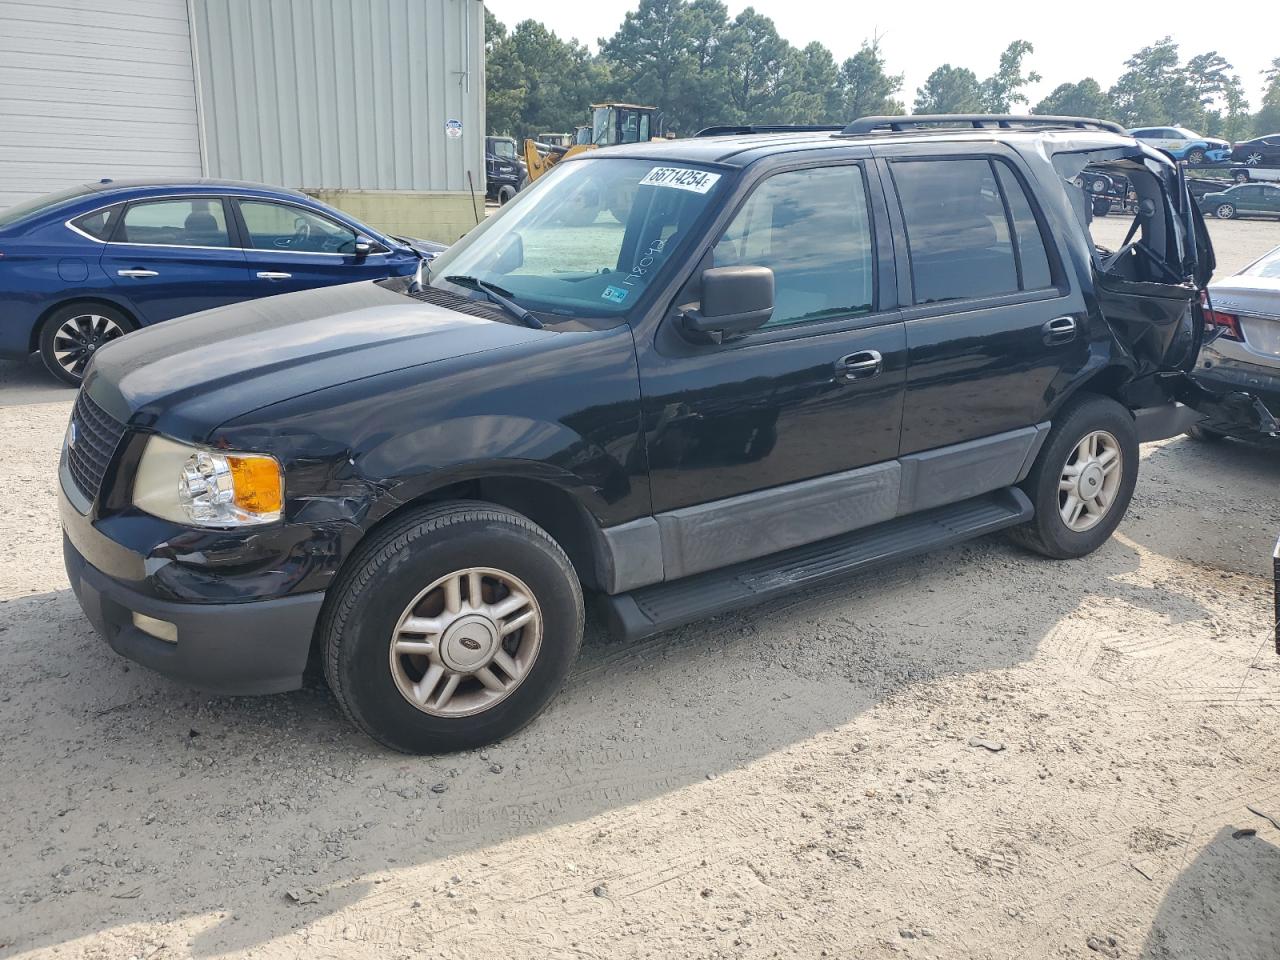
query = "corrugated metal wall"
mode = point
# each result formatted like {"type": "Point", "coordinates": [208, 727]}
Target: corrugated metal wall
{"type": "Point", "coordinates": [91, 89]}
{"type": "Point", "coordinates": [350, 94]}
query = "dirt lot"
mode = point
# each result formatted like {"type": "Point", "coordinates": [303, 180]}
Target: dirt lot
{"type": "Point", "coordinates": [798, 780]}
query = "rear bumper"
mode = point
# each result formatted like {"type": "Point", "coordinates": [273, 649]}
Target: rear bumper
{"type": "Point", "coordinates": [223, 648]}
{"type": "Point", "coordinates": [1226, 376]}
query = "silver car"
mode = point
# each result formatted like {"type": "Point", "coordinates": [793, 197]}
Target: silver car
{"type": "Point", "coordinates": [1245, 354]}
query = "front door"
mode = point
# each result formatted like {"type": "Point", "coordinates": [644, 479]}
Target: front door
{"type": "Point", "coordinates": [291, 247]}
{"type": "Point", "coordinates": [994, 333]}
{"type": "Point", "coordinates": [754, 443]}
{"type": "Point", "coordinates": [171, 257]}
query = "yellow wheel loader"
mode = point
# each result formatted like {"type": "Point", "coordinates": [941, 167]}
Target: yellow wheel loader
{"type": "Point", "coordinates": [611, 123]}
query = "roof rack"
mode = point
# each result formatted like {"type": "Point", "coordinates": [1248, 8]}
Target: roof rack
{"type": "Point", "coordinates": [975, 121]}
{"type": "Point", "coordinates": [745, 129]}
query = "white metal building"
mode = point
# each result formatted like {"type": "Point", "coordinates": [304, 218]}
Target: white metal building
{"type": "Point", "coordinates": [375, 105]}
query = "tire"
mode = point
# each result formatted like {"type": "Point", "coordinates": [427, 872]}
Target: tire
{"type": "Point", "coordinates": [1101, 206]}
{"type": "Point", "coordinates": [505, 195]}
{"type": "Point", "coordinates": [1049, 533]}
{"type": "Point", "coordinates": [73, 333]}
{"type": "Point", "coordinates": [1195, 156]}
{"type": "Point", "coordinates": [1240, 176]}
{"type": "Point", "coordinates": [1253, 159]}
{"type": "Point", "coordinates": [1224, 211]}
{"type": "Point", "coordinates": [1098, 186]}
{"type": "Point", "coordinates": [394, 577]}
{"type": "Point", "coordinates": [1204, 434]}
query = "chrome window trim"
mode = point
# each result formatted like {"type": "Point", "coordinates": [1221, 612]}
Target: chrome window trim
{"type": "Point", "coordinates": [212, 196]}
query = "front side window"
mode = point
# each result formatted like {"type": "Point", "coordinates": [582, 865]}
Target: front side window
{"type": "Point", "coordinates": [961, 230]}
{"type": "Point", "coordinates": [282, 226]}
{"type": "Point", "coordinates": [194, 222]}
{"type": "Point", "coordinates": [812, 228]}
{"type": "Point", "coordinates": [589, 239]}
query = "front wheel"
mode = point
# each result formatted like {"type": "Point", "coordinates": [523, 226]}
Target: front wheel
{"type": "Point", "coordinates": [73, 334]}
{"type": "Point", "coordinates": [451, 629]}
{"type": "Point", "coordinates": [1195, 156]}
{"type": "Point", "coordinates": [1082, 481]}
{"type": "Point", "coordinates": [1224, 211]}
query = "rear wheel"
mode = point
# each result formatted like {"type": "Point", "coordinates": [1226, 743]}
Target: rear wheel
{"type": "Point", "coordinates": [452, 629]}
{"type": "Point", "coordinates": [1082, 481]}
{"type": "Point", "coordinates": [1224, 211]}
{"type": "Point", "coordinates": [1240, 176]}
{"type": "Point", "coordinates": [73, 334]}
{"type": "Point", "coordinates": [1204, 434]}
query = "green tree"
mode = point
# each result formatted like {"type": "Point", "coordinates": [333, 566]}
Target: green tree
{"type": "Point", "coordinates": [537, 82]}
{"type": "Point", "coordinates": [1267, 119]}
{"type": "Point", "coordinates": [1006, 86]}
{"type": "Point", "coordinates": [1083, 99]}
{"type": "Point", "coordinates": [809, 90]}
{"type": "Point", "coordinates": [756, 57]}
{"type": "Point", "coordinates": [650, 52]}
{"type": "Point", "coordinates": [950, 90]}
{"type": "Point", "coordinates": [1155, 89]}
{"type": "Point", "coordinates": [868, 89]}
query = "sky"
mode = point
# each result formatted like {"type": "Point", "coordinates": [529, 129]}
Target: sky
{"type": "Point", "coordinates": [918, 36]}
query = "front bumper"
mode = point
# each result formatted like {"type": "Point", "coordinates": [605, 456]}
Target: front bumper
{"type": "Point", "coordinates": [247, 647]}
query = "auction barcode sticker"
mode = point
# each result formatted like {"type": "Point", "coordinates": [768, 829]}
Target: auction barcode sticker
{"type": "Point", "coordinates": [682, 178]}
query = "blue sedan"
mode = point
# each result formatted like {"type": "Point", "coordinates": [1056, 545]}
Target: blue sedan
{"type": "Point", "coordinates": [89, 264]}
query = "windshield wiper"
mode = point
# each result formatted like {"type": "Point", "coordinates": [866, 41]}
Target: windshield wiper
{"type": "Point", "coordinates": [500, 297]}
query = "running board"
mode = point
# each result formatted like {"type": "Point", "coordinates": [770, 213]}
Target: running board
{"type": "Point", "coordinates": [649, 610]}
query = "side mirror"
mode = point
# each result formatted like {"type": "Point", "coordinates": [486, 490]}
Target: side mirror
{"type": "Point", "coordinates": [734, 300]}
{"type": "Point", "coordinates": [510, 254]}
{"type": "Point", "coordinates": [363, 247]}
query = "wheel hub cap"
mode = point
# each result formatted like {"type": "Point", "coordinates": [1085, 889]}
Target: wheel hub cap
{"type": "Point", "coordinates": [469, 643]}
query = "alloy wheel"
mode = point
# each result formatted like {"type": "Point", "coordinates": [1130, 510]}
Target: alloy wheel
{"type": "Point", "coordinates": [1225, 211]}
{"type": "Point", "coordinates": [466, 642]}
{"type": "Point", "coordinates": [1253, 159]}
{"type": "Point", "coordinates": [1089, 481]}
{"type": "Point", "coordinates": [80, 337]}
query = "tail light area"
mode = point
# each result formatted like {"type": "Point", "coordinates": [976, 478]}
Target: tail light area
{"type": "Point", "coordinates": [1215, 320]}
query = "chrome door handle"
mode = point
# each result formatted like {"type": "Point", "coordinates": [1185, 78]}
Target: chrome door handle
{"type": "Point", "coordinates": [862, 365]}
{"type": "Point", "coordinates": [1059, 330]}
{"type": "Point", "coordinates": [137, 273]}
{"type": "Point", "coordinates": [271, 275]}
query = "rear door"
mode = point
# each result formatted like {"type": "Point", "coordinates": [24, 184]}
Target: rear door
{"type": "Point", "coordinates": [994, 330]}
{"type": "Point", "coordinates": [173, 256]}
{"type": "Point", "coordinates": [292, 247]}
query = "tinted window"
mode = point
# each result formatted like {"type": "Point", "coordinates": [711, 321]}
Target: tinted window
{"type": "Point", "coordinates": [957, 232]}
{"type": "Point", "coordinates": [282, 226]}
{"type": "Point", "coordinates": [813, 229]}
{"type": "Point", "coordinates": [196, 222]}
{"type": "Point", "coordinates": [100, 223]}
{"type": "Point", "coordinates": [1033, 260]}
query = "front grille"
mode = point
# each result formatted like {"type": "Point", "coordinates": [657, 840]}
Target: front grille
{"type": "Point", "coordinates": [96, 436]}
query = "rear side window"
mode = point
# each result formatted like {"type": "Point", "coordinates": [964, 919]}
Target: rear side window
{"type": "Point", "coordinates": [99, 223]}
{"type": "Point", "coordinates": [966, 235]}
{"type": "Point", "coordinates": [813, 229]}
{"type": "Point", "coordinates": [197, 222]}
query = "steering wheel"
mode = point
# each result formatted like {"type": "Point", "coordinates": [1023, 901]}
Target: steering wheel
{"type": "Point", "coordinates": [301, 232]}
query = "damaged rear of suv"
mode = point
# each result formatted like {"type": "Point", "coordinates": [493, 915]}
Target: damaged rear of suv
{"type": "Point", "coordinates": [675, 377]}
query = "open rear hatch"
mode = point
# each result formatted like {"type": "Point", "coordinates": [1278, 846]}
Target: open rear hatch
{"type": "Point", "coordinates": [1151, 289]}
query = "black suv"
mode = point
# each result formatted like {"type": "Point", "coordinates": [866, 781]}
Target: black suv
{"type": "Point", "coordinates": [679, 377]}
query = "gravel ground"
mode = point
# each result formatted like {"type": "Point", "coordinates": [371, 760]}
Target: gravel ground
{"type": "Point", "coordinates": [805, 779]}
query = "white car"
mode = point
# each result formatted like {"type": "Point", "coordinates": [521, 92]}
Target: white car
{"type": "Point", "coordinates": [1183, 144]}
{"type": "Point", "coordinates": [1245, 354]}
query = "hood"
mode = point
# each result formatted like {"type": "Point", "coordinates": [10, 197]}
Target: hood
{"type": "Point", "coordinates": [427, 249]}
{"type": "Point", "coordinates": [184, 377]}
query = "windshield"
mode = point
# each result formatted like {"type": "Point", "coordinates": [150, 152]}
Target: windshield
{"type": "Point", "coordinates": [600, 131]}
{"type": "Point", "coordinates": [20, 211]}
{"type": "Point", "coordinates": [589, 239]}
{"type": "Point", "coordinates": [504, 148]}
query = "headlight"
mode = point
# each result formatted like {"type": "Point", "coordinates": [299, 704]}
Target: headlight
{"type": "Point", "coordinates": [207, 488]}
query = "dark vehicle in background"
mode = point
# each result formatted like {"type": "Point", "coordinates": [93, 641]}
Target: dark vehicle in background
{"type": "Point", "coordinates": [1200, 186]}
{"type": "Point", "coordinates": [752, 363]}
{"type": "Point", "coordinates": [1107, 192]}
{"type": "Point", "coordinates": [504, 171]}
{"type": "Point", "coordinates": [1243, 200]}
{"type": "Point", "coordinates": [1243, 352]}
{"type": "Point", "coordinates": [82, 267]}
{"type": "Point", "coordinates": [1259, 152]}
